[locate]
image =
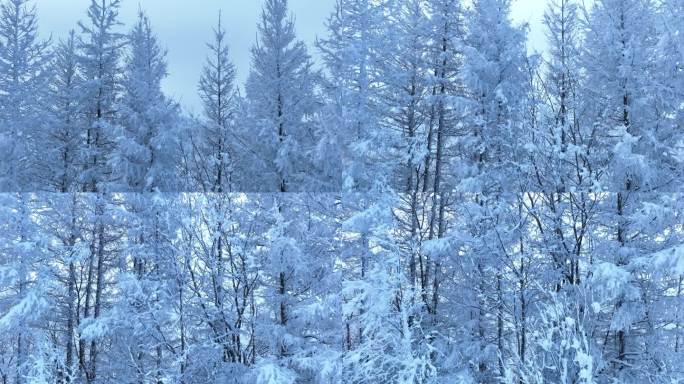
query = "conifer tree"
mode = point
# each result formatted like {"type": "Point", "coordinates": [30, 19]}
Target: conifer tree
{"type": "Point", "coordinates": [623, 95]}
{"type": "Point", "coordinates": [352, 53]}
{"type": "Point", "coordinates": [214, 158]}
{"type": "Point", "coordinates": [23, 80]}
{"type": "Point", "coordinates": [66, 124]}
{"type": "Point", "coordinates": [100, 61]}
{"type": "Point", "coordinates": [282, 102]}
{"type": "Point", "coordinates": [143, 158]}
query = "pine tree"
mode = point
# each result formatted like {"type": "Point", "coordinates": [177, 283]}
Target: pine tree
{"type": "Point", "coordinates": [407, 89]}
{"type": "Point", "coordinates": [143, 158]}
{"type": "Point", "coordinates": [66, 124]}
{"type": "Point", "coordinates": [302, 284]}
{"type": "Point", "coordinates": [387, 351]}
{"type": "Point", "coordinates": [100, 55]}
{"type": "Point", "coordinates": [214, 158]}
{"type": "Point", "coordinates": [25, 282]}
{"type": "Point", "coordinates": [381, 302]}
{"type": "Point", "coordinates": [512, 218]}
{"type": "Point", "coordinates": [671, 78]}
{"type": "Point", "coordinates": [141, 317]}
{"type": "Point", "coordinates": [565, 164]}
{"type": "Point", "coordinates": [446, 36]}
{"type": "Point", "coordinates": [282, 102]}
{"type": "Point", "coordinates": [23, 76]}
{"type": "Point", "coordinates": [223, 234]}
{"type": "Point", "coordinates": [493, 74]}
{"type": "Point", "coordinates": [352, 53]}
{"type": "Point", "coordinates": [61, 221]}
{"type": "Point", "coordinates": [561, 156]}
{"type": "Point", "coordinates": [622, 88]}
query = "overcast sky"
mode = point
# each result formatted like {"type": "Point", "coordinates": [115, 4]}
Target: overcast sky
{"type": "Point", "coordinates": [184, 26]}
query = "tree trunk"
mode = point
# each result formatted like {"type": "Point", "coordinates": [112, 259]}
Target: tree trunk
{"type": "Point", "coordinates": [99, 284]}
{"type": "Point", "coordinates": [82, 349]}
{"type": "Point", "coordinates": [500, 324]}
{"type": "Point", "coordinates": [71, 297]}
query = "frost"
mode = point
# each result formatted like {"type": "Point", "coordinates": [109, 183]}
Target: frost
{"type": "Point", "coordinates": [93, 329]}
{"type": "Point", "coordinates": [670, 261]}
{"type": "Point", "coordinates": [438, 247]}
{"type": "Point", "coordinates": [586, 365]}
{"type": "Point", "coordinates": [28, 309]}
{"type": "Point", "coordinates": [670, 327]}
{"type": "Point", "coordinates": [610, 280]}
{"type": "Point", "coordinates": [272, 373]}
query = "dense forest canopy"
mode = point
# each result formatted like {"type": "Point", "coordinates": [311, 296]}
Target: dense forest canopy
{"type": "Point", "coordinates": [428, 204]}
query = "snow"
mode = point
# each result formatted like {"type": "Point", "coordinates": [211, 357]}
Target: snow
{"type": "Point", "coordinates": [405, 201]}
{"type": "Point", "coordinates": [670, 261]}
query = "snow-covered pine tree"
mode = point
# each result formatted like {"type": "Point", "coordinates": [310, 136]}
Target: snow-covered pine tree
{"type": "Point", "coordinates": [561, 349]}
{"type": "Point", "coordinates": [407, 98]}
{"type": "Point", "coordinates": [100, 53]}
{"type": "Point", "coordinates": [564, 164]}
{"type": "Point", "coordinates": [300, 288]}
{"type": "Point", "coordinates": [671, 79]}
{"type": "Point", "coordinates": [382, 305]}
{"type": "Point", "coordinates": [622, 95]}
{"type": "Point", "coordinates": [63, 139]}
{"type": "Point", "coordinates": [352, 53]}
{"type": "Point", "coordinates": [557, 168]}
{"type": "Point", "coordinates": [103, 227]}
{"type": "Point", "coordinates": [213, 153]}
{"type": "Point", "coordinates": [282, 102]}
{"type": "Point", "coordinates": [407, 86]}
{"type": "Point", "coordinates": [545, 249]}
{"type": "Point", "coordinates": [23, 85]}
{"type": "Point", "coordinates": [561, 156]}
{"type": "Point", "coordinates": [446, 34]}
{"type": "Point", "coordinates": [143, 159]}
{"type": "Point", "coordinates": [61, 220]}
{"type": "Point", "coordinates": [628, 281]}
{"type": "Point", "coordinates": [493, 72]}
{"type": "Point", "coordinates": [140, 322]}
{"type": "Point", "coordinates": [560, 174]}
{"type": "Point", "coordinates": [23, 278]}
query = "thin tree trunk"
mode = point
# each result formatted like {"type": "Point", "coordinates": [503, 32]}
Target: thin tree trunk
{"type": "Point", "coordinates": [677, 315]}
{"type": "Point", "coordinates": [500, 324]}
{"type": "Point", "coordinates": [99, 284]}
{"type": "Point", "coordinates": [71, 297]}
{"type": "Point", "coordinates": [523, 304]}
{"type": "Point", "coordinates": [621, 336]}
{"type": "Point", "coordinates": [82, 349]}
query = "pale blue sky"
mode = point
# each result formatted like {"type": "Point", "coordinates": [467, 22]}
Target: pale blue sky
{"type": "Point", "coordinates": [185, 26]}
